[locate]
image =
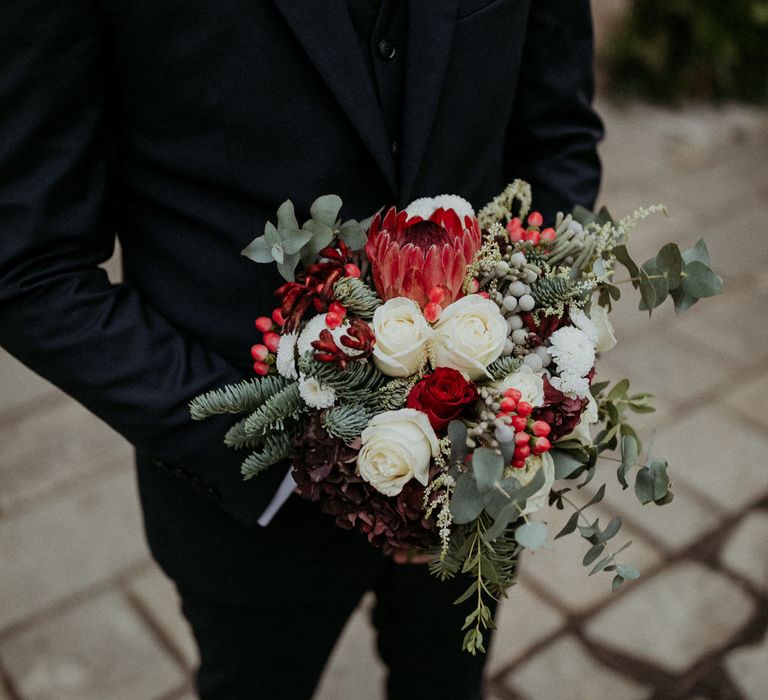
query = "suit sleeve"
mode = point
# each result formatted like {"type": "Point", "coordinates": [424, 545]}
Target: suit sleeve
{"type": "Point", "coordinates": [553, 134]}
{"type": "Point", "coordinates": [59, 314]}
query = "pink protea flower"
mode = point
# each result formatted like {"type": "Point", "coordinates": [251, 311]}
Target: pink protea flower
{"type": "Point", "coordinates": [413, 253]}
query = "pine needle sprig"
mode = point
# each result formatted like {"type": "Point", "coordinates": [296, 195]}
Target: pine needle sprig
{"type": "Point", "coordinates": [503, 367]}
{"type": "Point", "coordinates": [354, 383]}
{"type": "Point", "coordinates": [272, 415]}
{"type": "Point", "coordinates": [243, 397]}
{"type": "Point", "coordinates": [346, 421]}
{"type": "Point", "coordinates": [357, 297]}
{"type": "Point", "coordinates": [237, 438]}
{"type": "Point", "coordinates": [277, 447]}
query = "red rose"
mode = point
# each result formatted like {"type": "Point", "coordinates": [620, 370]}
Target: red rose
{"type": "Point", "coordinates": [442, 395]}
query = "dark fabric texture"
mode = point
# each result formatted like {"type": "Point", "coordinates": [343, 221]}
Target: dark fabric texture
{"type": "Point", "coordinates": [178, 127]}
{"type": "Point", "coordinates": [275, 646]}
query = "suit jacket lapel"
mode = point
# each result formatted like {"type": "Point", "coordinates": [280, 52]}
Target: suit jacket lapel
{"type": "Point", "coordinates": [326, 33]}
{"type": "Point", "coordinates": [430, 34]}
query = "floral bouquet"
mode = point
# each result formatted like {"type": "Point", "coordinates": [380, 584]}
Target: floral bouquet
{"type": "Point", "coordinates": [429, 375]}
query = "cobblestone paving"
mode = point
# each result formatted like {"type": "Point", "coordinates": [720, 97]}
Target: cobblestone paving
{"type": "Point", "coordinates": [85, 614]}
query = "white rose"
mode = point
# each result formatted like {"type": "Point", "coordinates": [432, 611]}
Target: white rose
{"type": "Point", "coordinates": [469, 336]}
{"type": "Point", "coordinates": [606, 338]}
{"type": "Point", "coordinates": [527, 382]}
{"type": "Point", "coordinates": [402, 334]}
{"type": "Point", "coordinates": [397, 446]}
{"type": "Point", "coordinates": [581, 432]}
{"type": "Point", "coordinates": [533, 464]}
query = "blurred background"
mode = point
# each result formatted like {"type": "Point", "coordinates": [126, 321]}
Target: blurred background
{"type": "Point", "coordinates": [683, 87]}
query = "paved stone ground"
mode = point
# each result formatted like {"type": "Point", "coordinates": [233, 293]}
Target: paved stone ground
{"type": "Point", "coordinates": [85, 614]}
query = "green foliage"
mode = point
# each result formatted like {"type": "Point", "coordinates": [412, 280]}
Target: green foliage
{"type": "Point", "coordinates": [276, 447]}
{"type": "Point", "coordinates": [346, 422]}
{"type": "Point", "coordinates": [555, 292]}
{"type": "Point", "coordinates": [674, 50]}
{"type": "Point", "coordinates": [236, 398]}
{"type": "Point", "coordinates": [358, 298]}
{"type": "Point", "coordinates": [503, 367]}
{"type": "Point", "coordinates": [273, 414]}
{"type": "Point", "coordinates": [288, 244]}
{"type": "Point", "coordinates": [393, 395]}
{"type": "Point", "coordinates": [358, 382]}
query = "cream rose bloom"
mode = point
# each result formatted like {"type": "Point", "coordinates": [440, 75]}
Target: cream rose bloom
{"type": "Point", "coordinates": [606, 338]}
{"type": "Point", "coordinates": [581, 432]}
{"type": "Point", "coordinates": [527, 382]}
{"type": "Point", "coordinates": [397, 446]}
{"type": "Point", "coordinates": [402, 334]}
{"type": "Point", "coordinates": [533, 464]}
{"type": "Point", "coordinates": [469, 336]}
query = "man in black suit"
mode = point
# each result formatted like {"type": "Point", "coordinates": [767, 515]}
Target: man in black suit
{"type": "Point", "coordinates": [179, 126]}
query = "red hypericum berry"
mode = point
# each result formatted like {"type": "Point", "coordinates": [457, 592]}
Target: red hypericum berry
{"type": "Point", "coordinates": [432, 311]}
{"type": "Point", "coordinates": [272, 340]}
{"type": "Point", "coordinates": [474, 285]}
{"type": "Point", "coordinates": [515, 230]}
{"type": "Point", "coordinates": [522, 438]}
{"type": "Point", "coordinates": [514, 394]}
{"type": "Point", "coordinates": [541, 446]}
{"type": "Point", "coordinates": [508, 404]}
{"type": "Point", "coordinates": [261, 368]}
{"type": "Point", "coordinates": [277, 317]}
{"type": "Point", "coordinates": [333, 320]}
{"type": "Point", "coordinates": [518, 462]}
{"type": "Point", "coordinates": [437, 294]}
{"type": "Point", "coordinates": [532, 236]}
{"type": "Point", "coordinates": [519, 423]}
{"type": "Point", "coordinates": [259, 352]}
{"type": "Point", "coordinates": [485, 295]}
{"type": "Point", "coordinates": [524, 408]}
{"type": "Point", "coordinates": [548, 235]}
{"type": "Point", "coordinates": [535, 219]}
{"type": "Point", "coordinates": [337, 308]}
{"type": "Point", "coordinates": [264, 324]}
{"type": "Point", "coordinates": [352, 270]}
{"type": "Point", "coordinates": [522, 451]}
{"type": "Point", "coordinates": [541, 429]}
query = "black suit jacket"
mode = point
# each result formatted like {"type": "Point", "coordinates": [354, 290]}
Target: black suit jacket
{"type": "Point", "coordinates": [180, 126]}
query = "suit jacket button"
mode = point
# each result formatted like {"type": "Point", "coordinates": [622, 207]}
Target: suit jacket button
{"type": "Point", "coordinates": [387, 50]}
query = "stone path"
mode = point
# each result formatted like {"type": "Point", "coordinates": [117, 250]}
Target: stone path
{"type": "Point", "coordinates": [85, 614]}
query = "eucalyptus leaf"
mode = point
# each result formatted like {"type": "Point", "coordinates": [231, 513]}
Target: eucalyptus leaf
{"type": "Point", "coordinates": [629, 452]}
{"type": "Point", "coordinates": [670, 262]}
{"type": "Point", "coordinates": [647, 292]}
{"type": "Point", "coordinates": [599, 495]}
{"type": "Point", "coordinates": [531, 535]}
{"type": "Point", "coordinates": [278, 254]}
{"type": "Point", "coordinates": [287, 268]}
{"type": "Point", "coordinates": [657, 278]}
{"type": "Point", "coordinates": [622, 255]}
{"type": "Point", "coordinates": [644, 486]}
{"type": "Point", "coordinates": [698, 253]}
{"type": "Point", "coordinates": [295, 241]}
{"type": "Point", "coordinates": [466, 503]}
{"type": "Point", "coordinates": [619, 390]}
{"type": "Point", "coordinates": [593, 553]}
{"type": "Point", "coordinates": [325, 209]}
{"type": "Point", "coordinates": [286, 217]}
{"type": "Point", "coordinates": [353, 234]}
{"type": "Point", "coordinates": [487, 467]}
{"type": "Point", "coordinates": [683, 301]}
{"type": "Point", "coordinates": [565, 463]}
{"type": "Point", "coordinates": [605, 561]}
{"type": "Point", "coordinates": [509, 513]}
{"type": "Point", "coordinates": [569, 526]}
{"type": "Point", "coordinates": [259, 250]}
{"type": "Point", "coordinates": [700, 281]}
{"type": "Point", "coordinates": [457, 434]}
{"type": "Point", "coordinates": [627, 571]}
{"type": "Point", "coordinates": [611, 529]}
{"type": "Point", "coordinates": [616, 583]}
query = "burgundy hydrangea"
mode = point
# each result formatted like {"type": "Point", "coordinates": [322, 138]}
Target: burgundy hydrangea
{"type": "Point", "coordinates": [561, 412]}
{"type": "Point", "coordinates": [324, 470]}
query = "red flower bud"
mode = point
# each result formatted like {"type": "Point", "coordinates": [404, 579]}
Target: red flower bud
{"type": "Point", "coordinates": [518, 462]}
{"type": "Point", "coordinates": [541, 429]}
{"type": "Point", "coordinates": [519, 423]}
{"type": "Point", "coordinates": [437, 294]}
{"type": "Point", "coordinates": [541, 446]}
{"type": "Point", "coordinates": [535, 219]}
{"type": "Point", "coordinates": [272, 340]}
{"type": "Point", "coordinates": [337, 308]}
{"type": "Point", "coordinates": [532, 236]}
{"type": "Point", "coordinates": [259, 352]}
{"type": "Point", "coordinates": [508, 404]}
{"type": "Point", "coordinates": [524, 408]}
{"type": "Point", "coordinates": [261, 368]}
{"type": "Point", "coordinates": [548, 235]}
{"type": "Point", "coordinates": [514, 394]}
{"type": "Point", "coordinates": [522, 451]}
{"type": "Point", "coordinates": [264, 324]}
{"type": "Point", "coordinates": [333, 320]}
{"type": "Point", "coordinates": [432, 311]}
{"type": "Point", "coordinates": [352, 270]}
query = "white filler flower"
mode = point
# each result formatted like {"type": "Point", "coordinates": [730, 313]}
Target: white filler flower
{"type": "Point", "coordinates": [397, 446]}
{"type": "Point", "coordinates": [469, 336]}
{"type": "Point", "coordinates": [402, 334]}
{"type": "Point", "coordinates": [426, 206]}
{"type": "Point", "coordinates": [286, 356]}
{"type": "Point", "coordinates": [574, 354]}
{"type": "Point", "coordinates": [315, 394]}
